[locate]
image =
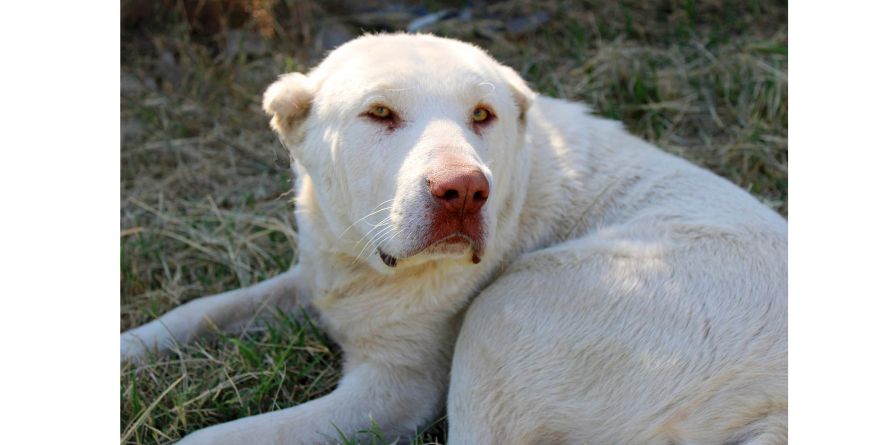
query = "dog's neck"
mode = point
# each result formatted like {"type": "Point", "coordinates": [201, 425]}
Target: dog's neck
{"type": "Point", "coordinates": [595, 169]}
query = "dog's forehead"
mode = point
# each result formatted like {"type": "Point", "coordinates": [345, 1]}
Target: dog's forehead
{"type": "Point", "coordinates": [405, 61]}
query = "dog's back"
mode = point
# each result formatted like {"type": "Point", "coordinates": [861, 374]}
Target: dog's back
{"type": "Point", "coordinates": [650, 305]}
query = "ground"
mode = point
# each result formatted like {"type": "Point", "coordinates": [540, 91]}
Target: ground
{"type": "Point", "coordinates": [206, 199]}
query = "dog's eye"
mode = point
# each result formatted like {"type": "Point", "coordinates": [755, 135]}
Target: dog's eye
{"type": "Point", "coordinates": [381, 112]}
{"type": "Point", "coordinates": [383, 115]}
{"type": "Point", "coordinates": [481, 115]}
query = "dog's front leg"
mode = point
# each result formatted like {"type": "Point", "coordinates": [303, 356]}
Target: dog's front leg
{"type": "Point", "coordinates": [227, 312]}
{"type": "Point", "coordinates": [395, 399]}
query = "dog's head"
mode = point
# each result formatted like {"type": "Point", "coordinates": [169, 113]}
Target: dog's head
{"type": "Point", "coordinates": [413, 145]}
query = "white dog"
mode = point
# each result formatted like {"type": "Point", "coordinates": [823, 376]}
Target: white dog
{"type": "Point", "coordinates": [543, 274]}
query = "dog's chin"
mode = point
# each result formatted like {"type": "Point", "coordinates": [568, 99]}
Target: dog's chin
{"type": "Point", "coordinates": [453, 246]}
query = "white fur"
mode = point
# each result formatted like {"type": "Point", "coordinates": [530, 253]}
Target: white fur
{"type": "Point", "coordinates": [625, 296]}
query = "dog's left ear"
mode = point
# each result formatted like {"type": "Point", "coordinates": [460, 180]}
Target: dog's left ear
{"type": "Point", "coordinates": [523, 95]}
{"type": "Point", "coordinates": [288, 101]}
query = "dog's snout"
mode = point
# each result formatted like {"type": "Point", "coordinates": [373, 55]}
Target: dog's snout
{"type": "Point", "coordinates": [460, 190]}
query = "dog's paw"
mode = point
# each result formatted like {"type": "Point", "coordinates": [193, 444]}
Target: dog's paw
{"type": "Point", "coordinates": [132, 348]}
{"type": "Point", "coordinates": [136, 343]}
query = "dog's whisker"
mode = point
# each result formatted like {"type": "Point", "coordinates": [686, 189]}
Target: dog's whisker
{"type": "Point", "coordinates": [381, 231]}
{"type": "Point", "coordinates": [362, 219]}
{"type": "Point", "coordinates": [389, 235]}
{"type": "Point", "coordinates": [395, 234]}
{"type": "Point", "coordinates": [383, 222]}
{"type": "Point", "coordinates": [366, 244]}
{"type": "Point", "coordinates": [381, 235]}
{"type": "Point", "coordinates": [372, 229]}
{"type": "Point", "coordinates": [373, 212]}
{"type": "Point", "coordinates": [374, 232]}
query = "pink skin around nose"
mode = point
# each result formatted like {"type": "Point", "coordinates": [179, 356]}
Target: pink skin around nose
{"type": "Point", "coordinates": [459, 190]}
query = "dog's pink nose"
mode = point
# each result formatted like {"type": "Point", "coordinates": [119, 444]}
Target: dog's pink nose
{"type": "Point", "coordinates": [459, 189]}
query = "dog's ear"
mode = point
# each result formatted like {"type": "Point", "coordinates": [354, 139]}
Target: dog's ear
{"type": "Point", "coordinates": [523, 95]}
{"type": "Point", "coordinates": [288, 101]}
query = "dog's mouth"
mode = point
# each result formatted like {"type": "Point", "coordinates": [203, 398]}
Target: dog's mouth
{"type": "Point", "coordinates": [389, 260]}
{"type": "Point", "coordinates": [453, 244]}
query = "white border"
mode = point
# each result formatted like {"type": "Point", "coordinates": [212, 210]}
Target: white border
{"type": "Point", "coordinates": [59, 223]}
{"type": "Point", "coordinates": [59, 229]}
{"type": "Point", "coordinates": [837, 222]}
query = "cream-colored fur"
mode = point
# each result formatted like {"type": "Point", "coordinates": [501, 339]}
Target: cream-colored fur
{"type": "Point", "coordinates": [624, 296]}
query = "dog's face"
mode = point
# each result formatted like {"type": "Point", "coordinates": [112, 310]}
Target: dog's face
{"type": "Point", "coordinates": [413, 145]}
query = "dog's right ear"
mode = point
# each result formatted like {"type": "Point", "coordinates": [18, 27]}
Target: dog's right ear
{"type": "Point", "coordinates": [523, 96]}
{"type": "Point", "coordinates": [288, 101]}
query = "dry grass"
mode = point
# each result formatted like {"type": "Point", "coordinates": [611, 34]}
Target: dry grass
{"type": "Point", "coordinates": [206, 199]}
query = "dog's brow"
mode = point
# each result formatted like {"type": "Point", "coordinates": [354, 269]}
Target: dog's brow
{"type": "Point", "coordinates": [386, 91]}
{"type": "Point", "coordinates": [373, 99]}
{"type": "Point", "coordinates": [488, 88]}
